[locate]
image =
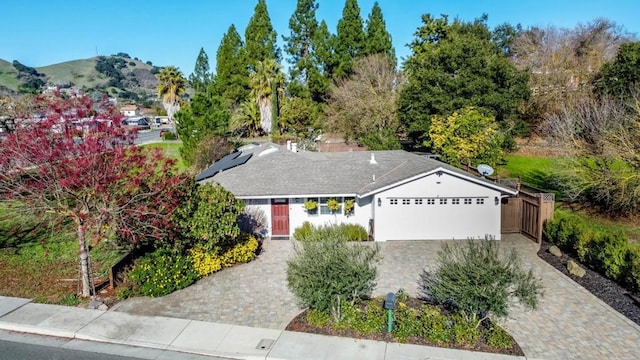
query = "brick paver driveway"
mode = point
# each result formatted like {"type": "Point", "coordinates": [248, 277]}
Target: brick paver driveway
{"type": "Point", "coordinates": [569, 324]}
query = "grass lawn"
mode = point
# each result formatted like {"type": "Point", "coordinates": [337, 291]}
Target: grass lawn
{"type": "Point", "coordinates": [536, 172]}
{"type": "Point", "coordinates": [533, 171]}
{"type": "Point", "coordinates": [40, 262]}
{"type": "Point", "coordinates": [171, 150]}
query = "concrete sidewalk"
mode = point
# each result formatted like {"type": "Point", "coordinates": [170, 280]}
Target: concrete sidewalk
{"type": "Point", "coordinates": [205, 338]}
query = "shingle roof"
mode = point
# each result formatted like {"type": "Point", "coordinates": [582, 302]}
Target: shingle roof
{"type": "Point", "coordinates": [279, 172]}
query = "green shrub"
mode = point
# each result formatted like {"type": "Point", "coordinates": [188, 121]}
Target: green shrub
{"type": "Point", "coordinates": [302, 233]}
{"type": "Point", "coordinates": [472, 278]}
{"type": "Point", "coordinates": [633, 268]}
{"type": "Point", "coordinates": [367, 319]}
{"type": "Point", "coordinates": [327, 269]}
{"type": "Point", "coordinates": [436, 325]}
{"type": "Point", "coordinates": [124, 293]}
{"type": "Point", "coordinates": [347, 232]}
{"type": "Point", "coordinates": [169, 135]}
{"type": "Point", "coordinates": [609, 254]}
{"type": "Point", "coordinates": [70, 300]}
{"type": "Point", "coordinates": [162, 272]}
{"type": "Point", "coordinates": [499, 338]}
{"type": "Point", "coordinates": [465, 329]}
{"type": "Point", "coordinates": [318, 318]}
{"type": "Point", "coordinates": [354, 232]}
{"type": "Point", "coordinates": [602, 249]}
{"type": "Point", "coordinates": [407, 322]}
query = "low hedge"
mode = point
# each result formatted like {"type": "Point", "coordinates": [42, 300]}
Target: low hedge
{"type": "Point", "coordinates": [602, 249]}
{"type": "Point", "coordinates": [347, 232]}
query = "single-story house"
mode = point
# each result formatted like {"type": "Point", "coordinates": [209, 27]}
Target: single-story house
{"type": "Point", "coordinates": [130, 110]}
{"type": "Point", "coordinates": [395, 195]}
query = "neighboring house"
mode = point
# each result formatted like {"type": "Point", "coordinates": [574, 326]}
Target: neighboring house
{"type": "Point", "coordinates": [397, 195]}
{"type": "Point", "coordinates": [130, 110]}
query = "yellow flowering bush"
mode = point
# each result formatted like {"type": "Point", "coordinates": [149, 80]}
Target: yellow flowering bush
{"type": "Point", "coordinates": [204, 262]}
{"type": "Point", "coordinates": [241, 253]}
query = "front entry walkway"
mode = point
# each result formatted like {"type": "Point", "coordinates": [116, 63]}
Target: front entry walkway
{"type": "Point", "coordinates": [253, 294]}
{"type": "Point", "coordinates": [570, 323]}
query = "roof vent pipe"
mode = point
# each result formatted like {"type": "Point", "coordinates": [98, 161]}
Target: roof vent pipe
{"type": "Point", "coordinates": [374, 177]}
{"type": "Point", "coordinates": [373, 159]}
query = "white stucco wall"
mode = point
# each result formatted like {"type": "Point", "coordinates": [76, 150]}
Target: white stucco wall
{"type": "Point", "coordinates": [438, 221]}
{"type": "Point", "coordinates": [298, 215]}
{"type": "Point", "coordinates": [265, 206]}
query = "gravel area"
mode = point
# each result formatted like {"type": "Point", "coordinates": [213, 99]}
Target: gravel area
{"type": "Point", "coordinates": [606, 290]}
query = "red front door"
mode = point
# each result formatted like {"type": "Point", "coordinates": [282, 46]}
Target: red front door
{"type": "Point", "coordinates": [279, 217]}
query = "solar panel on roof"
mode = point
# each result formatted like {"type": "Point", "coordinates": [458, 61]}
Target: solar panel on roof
{"type": "Point", "coordinates": [239, 161]}
{"type": "Point", "coordinates": [217, 166]}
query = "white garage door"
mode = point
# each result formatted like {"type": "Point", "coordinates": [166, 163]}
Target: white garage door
{"type": "Point", "coordinates": [437, 208]}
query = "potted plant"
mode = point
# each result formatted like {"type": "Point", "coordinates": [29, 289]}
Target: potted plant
{"type": "Point", "coordinates": [311, 206]}
{"type": "Point", "coordinates": [333, 205]}
{"type": "Point", "coordinates": [348, 207]}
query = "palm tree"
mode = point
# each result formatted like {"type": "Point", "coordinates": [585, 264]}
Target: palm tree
{"type": "Point", "coordinates": [246, 119]}
{"type": "Point", "coordinates": [263, 81]}
{"type": "Point", "coordinates": [172, 85]}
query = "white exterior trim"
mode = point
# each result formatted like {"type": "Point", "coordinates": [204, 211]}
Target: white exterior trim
{"type": "Point", "coordinates": [443, 170]}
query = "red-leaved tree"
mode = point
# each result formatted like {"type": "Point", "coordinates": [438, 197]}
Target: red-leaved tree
{"type": "Point", "coordinates": [75, 160]}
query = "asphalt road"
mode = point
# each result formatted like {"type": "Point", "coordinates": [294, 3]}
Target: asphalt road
{"type": "Point", "coordinates": [19, 346]}
{"type": "Point", "coordinates": [146, 136]}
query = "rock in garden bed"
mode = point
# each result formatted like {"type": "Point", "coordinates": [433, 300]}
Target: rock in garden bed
{"type": "Point", "coordinates": [606, 290]}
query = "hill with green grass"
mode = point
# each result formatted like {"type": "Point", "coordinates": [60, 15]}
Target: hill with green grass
{"type": "Point", "coordinates": [119, 76]}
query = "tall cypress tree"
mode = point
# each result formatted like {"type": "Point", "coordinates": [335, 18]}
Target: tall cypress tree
{"type": "Point", "coordinates": [325, 62]}
{"type": "Point", "coordinates": [303, 25]}
{"type": "Point", "coordinates": [350, 38]}
{"type": "Point", "coordinates": [201, 78]}
{"type": "Point", "coordinates": [232, 73]}
{"type": "Point", "coordinates": [377, 38]}
{"type": "Point", "coordinates": [260, 37]}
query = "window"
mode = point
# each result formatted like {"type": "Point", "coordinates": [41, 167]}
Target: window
{"type": "Point", "coordinates": [393, 201]}
{"type": "Point", "coordinates": [431, 201]}
{"type": "Point", "coordinates": [418, 201]}
{"type": "Point", "coordinates": [455, 201]}
{"type": "Point", "coordinates": [443, 201]}
{"type": "Point", "coordinates": [406, 201]}
{"type": "Point", "coordinates": [479, 201]}
{"type": "Point", "coordinates": [468, 201]}
{"type": "Point", "coordinates": [324, 209]}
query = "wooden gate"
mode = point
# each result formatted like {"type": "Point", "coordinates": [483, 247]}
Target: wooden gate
{"type": "Point", "coordinates": [280, 217]}
{"type": "Point", "coordinates": [527, 213]}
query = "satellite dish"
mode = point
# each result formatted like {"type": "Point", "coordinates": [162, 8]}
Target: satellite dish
{"type": "Point", "coordinates": [485, 170]}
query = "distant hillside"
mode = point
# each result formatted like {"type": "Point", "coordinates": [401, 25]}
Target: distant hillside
{"type": "Point", "coordinates": [8, 77]}
{"type": "Point", "coordinates": [125, 77]}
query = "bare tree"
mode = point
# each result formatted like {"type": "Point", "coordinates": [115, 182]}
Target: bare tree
{"type": "Point", "coordinates": [563, 62]}
{"type": "Point", "coordinates": [366, 101]}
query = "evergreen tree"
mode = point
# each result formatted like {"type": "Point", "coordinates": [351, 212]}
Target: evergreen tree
{"type": "Point", "coordinates": [303, 25]}
{"type": "Point", "coordinates": [201, 78]}
{"type": "Point", "coordinates": [455, 65]}
{"type": "Point", "coordinates": [324, 60]}
{"type": "Point", "coordinates": [350, 38]}
{"type": "Point", "coordinates": [260, 37]}
{"type": "Point", "coordinates": [377, 38]}
{"type": "Point", "coordinates": [232, 74]}
{"type": "Point", "coordinates": [204, 115]}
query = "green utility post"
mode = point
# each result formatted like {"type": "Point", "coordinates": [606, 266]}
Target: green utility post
{"type": "Point", "coordinates": [390, 304]}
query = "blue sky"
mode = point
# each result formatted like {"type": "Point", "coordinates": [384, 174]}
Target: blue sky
{"type": "Point", "coordinates": [45, 32]}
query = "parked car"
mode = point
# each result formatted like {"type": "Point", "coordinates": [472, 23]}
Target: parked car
{"type": "Point", "coordinates": [141, 123]}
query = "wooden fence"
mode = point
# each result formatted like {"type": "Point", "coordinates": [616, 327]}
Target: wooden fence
{"type": "Point", "coordinates": [527, 213]}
